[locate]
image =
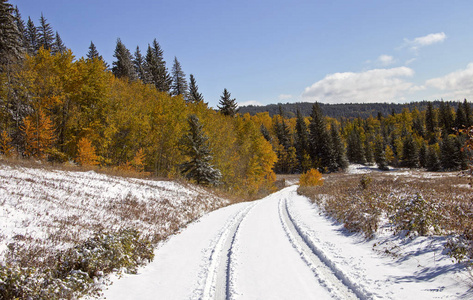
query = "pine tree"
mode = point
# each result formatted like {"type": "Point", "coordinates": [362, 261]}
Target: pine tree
{"type": "Point", "coordinates": [194, 144]}
{"type": "Point", "coordinates": [10, 37]}
{"type": "Point", "coordinates": [446, 117]}
{"type": "Point", "coordinates": [319, 138]}
{"type": "Point", "coordinates": [355, 151]}
{"type": "Point", "coordinates": [123, 66]}
{"type": "Point", "coordinates": [193, 95]}
{"type": "Point", "coordinates": [179, 83]}
{"type": "Point", "coordinates": [31, 37]}
{"type": "Point", "coordinates": [265, 133]}
{"type": "Point", "coordinates": [138, 62]}
{"type": "Point", "coordinates": [423, 155]}
{"type": "Point", "coordinates": [45, 34]}
{"type": "Point", "coordinates": [432, 161]}
{"type": "Point", "coordinates": [227, 105]}
{"type": "Point", "coordinates": [430, 121]}
{"type": "Point", "coordinates": [58, 46]}
{"type": "Point", "coordinates": [156, 68]}
{"type": "Point", "coordinates": [447, 153]}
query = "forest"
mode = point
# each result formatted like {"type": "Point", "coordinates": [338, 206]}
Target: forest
{"type": "Point", "coordinates": [138, 115]}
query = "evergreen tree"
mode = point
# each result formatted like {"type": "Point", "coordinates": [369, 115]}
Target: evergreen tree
{"type": "Point", "coordinates": [31, 37]}
{"type": "Point", "coordinates": [423, 155]}
{"type": "Point", "coordinates": [355, 151]}
{"type": "Point", "coordinates": [93, 53]}
{"type": "Point", "coordinates": [194, 96]}
{"type": "Point", "coordinates": [123, 66]}
{"type": "Point", "coordinates": [368, 150]}
{"type": "Point", "coordinates": [446, 117]}
{"type": "Point", "coordinates": [10, 37]}
{"type": "Point", "coordinates": [433, 161]}
{"type": "Point", "coordinates": [339, 153]}
{"type": "Point", "coordinates": [227, 105]}
{"type": "Point", "coordinates": [195, 145]}
{"type": "Point", "coordinates": [20, 25]}
{"type": "Point", "coordinates": [138, 63]}
{"type": "Point", "coordinates": [460, 154]}
{"type": "Point", "coordinates": [447, 153]}
{"type": "Point", "coordinates": [155, 67]}
{"type": "Point", "coordinates": [179, 83]}
{"type": "Point", "coordinates": [430, 120]}
{"type": "Point", "coordinates": [58, 46]}
{"type": "Point", "coordinates": [282, 133]}
{"type": "Point", "coordinates": [45, 34]}
{"type": "Point", "coordinates": [410, 153]}
{"type": "Point", "coordinates": [319, 138]}
{"type": "Point", "coordinates": [301, 139]}
{"type": "Point", "coordinates": [468, 114]}
{"type": "Point", "coordinates": [380, 154]}
{"type": "Point", "coordinates": [265, 133]}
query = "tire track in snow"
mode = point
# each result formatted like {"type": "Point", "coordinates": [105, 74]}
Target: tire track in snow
{"type": "Point", "coordinates": [217, 283]}
{"type": "Point", "coordinates": [324, 269]}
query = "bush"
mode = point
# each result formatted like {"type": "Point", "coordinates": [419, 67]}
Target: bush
{"type": "Point", "coordinates": [77, 269]}
{"type": "Point", "coordinates": [311, 178]}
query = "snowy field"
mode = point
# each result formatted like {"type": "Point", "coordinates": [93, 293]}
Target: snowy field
{"type": "Point", "coordinates": [51, 210]}
{"type": "Point", "coordinates": [283, 247]}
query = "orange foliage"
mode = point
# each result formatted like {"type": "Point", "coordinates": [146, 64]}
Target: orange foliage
{"type": "Point", "coordinates": [86, 153]}
{"type": "Point", "coordinates": [39, 134]}
{"type": "Point", "coordinates": [311, 178]}
{"type": "Point", "coordinates": [5, 144]}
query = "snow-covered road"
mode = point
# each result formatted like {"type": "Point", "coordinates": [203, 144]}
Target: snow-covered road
{"type": "Point", "coordinates": [279, 247]}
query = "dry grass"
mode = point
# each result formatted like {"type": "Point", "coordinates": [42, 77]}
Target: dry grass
{"type": "Point", "coordinates": [412, 202]}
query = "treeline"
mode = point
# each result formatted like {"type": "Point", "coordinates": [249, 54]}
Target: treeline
{"type": "Point", "coordinates": [433, 138]}
{"type": "Point", "coordinates": [347, 110]}
{"type": "Point", "coordinates": [56, 107]}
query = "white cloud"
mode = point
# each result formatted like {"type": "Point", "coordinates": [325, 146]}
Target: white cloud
{"type": "Point", "coordinates": [385, 60]}
{"type": "Point", "coordinates": [454, 86]}
{"type": "Point", "coordinates": [285, 97]}
{"type": "Point", "coordinates": [252, 102]}
{"type": "Point", "coordinates": [427, 40]}
{"type": "Point", "coordinates": [377, 85]}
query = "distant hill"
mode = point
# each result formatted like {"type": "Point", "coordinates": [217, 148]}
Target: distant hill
{"type": "Point", "coordinates": [350, 110]}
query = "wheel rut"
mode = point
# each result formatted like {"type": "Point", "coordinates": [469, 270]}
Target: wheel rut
{"type": "Point", "coordinates": [327, 273]}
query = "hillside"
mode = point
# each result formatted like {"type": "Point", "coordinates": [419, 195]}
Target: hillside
{"type": "Point", "coordinates": [46, 212]}
{"type": "Point", "coordinates": [348, 110]}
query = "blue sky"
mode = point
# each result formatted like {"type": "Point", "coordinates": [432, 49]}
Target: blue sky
{"type": "Point", "coordinates": [265, 52]}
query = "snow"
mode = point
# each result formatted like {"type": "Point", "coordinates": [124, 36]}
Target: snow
{"type": "Point", "coordinates": [282, 247]}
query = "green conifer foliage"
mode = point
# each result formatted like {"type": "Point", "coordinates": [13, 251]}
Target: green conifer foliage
{"type": "Point", "coordinates": [195, 145]}
{"type": "Point", "coordinates": [179, 83]}
{"type": "Point", "coordinates": [338, 153]}
{"type": "Point", "coordinates": [380, 154]}
{"type": "Point", "coordinates": [193, 95]}
{"type": "Point", "coordinates": [10, 37]}
{"type": "Point", "coordinates": [410, 153]}
{"type": "Point", "coordinates": [138, 62]}
{"type": "Point", "coordinates": [31, 37]}
{"type": "Point", "coordinates": [227, 105]}
{"type": "Point", "coordinates": [123, 66]}
{"type": "Point", "coordinates": [301, 139]}
{"type": "Point", "coordinates": [320, 142]}
{"type": "Point", "coordinates": [45, 34]}
{"type": "Point", "coordinates": [58, 46]}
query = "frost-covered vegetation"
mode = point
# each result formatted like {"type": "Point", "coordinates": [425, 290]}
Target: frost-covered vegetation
{"type": "Point", "coordinates": [63, 231]}
{"type": "Point", "coordinates": [406, 203]}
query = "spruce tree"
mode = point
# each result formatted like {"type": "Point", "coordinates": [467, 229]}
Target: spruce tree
{"type": "Point", "coordinates": [138, 62]}
{"type": "Point", "coordinates": [355, 151]}
{"type": "Point", "coordinates": [31, 37]}
{"type": "Point", "coordinates": [430, 121]}
{"type": "Point", "coordinates": [380, 154]}
{"type": "Point", "coordinates": [193, 95]}
{"type": "Point", "coordinates": [58, 46]}
{"type": "Point", "coordinates": [194, 144]}
{"type": "Point", "coordinates": [446, 118]}
{"type": "Point", "coordinates": [410, 153]}
{"type": "Point", "coordinates": [447, 153]}
{"type": "Point", "coordinates": [21, 27]}
{"type": "Point", "coordinates": [93, 53]}
{"type": "Point", "coordinates": [123, 66]}
{"type": "Point", "coordinates": [433, 160]}
{"type": "Point", "coordinates": [45, 34]}
{"type": "Point", "coordinates": [265, 133]}
{"type": "Point", "coordinates": [423, 155]}
{"type": "Point", "coordinates": [155, 67]}
{"type": "Point", "coordinates": [179, 83]}
{"type": "Point", "coordinates": [10, 37]}
{"type": "Point", "coordinates": [319, 138]}
{"type": "Point", "coordinates": [301, 139]}
{"type": "Point", "coordinates": [468, 114]}
{"type": "Point", "coordinates": [227, 105]}
{"type": "Point", "coordinates": [338, 151]}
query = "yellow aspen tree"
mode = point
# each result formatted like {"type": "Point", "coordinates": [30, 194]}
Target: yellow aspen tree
{"type": "Point", "coordinates": [86, 153]}
{"type": "Point", "coordinates": [38, 133]}
{"type": "Point", "coordinates": [5, 144]}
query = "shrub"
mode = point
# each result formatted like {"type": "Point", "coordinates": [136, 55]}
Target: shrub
{"type": "Point", "coordinates": [77, 269]}
{"type": "Point", "coordinates": [311, 178]}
